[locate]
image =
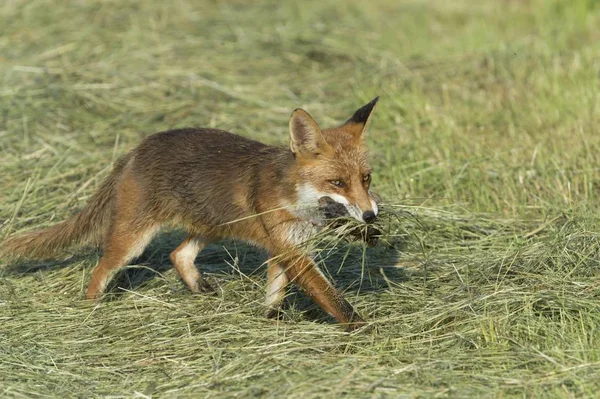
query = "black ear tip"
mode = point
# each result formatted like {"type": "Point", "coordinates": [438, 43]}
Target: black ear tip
{"type": "Point", "coordinates": [371, 104]}
{"type": "Point", "coordinates": [362, 114]}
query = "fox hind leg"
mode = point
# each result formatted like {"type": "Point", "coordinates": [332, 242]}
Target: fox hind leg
{"type": "Point", "coordinates": [128, 235]}
{"type": "Point", "coordinates": [183, 260]}
{"type": "Point", "coordinates": [122, 245]}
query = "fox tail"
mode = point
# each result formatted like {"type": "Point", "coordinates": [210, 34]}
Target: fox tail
{"type": "Point", "coordinates": [89, 226]}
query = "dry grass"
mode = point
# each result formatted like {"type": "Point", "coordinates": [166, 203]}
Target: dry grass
{"type": "Point", "coordinates": [485, 146]}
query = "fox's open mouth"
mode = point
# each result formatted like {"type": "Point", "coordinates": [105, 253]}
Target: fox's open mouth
{"type": "Point", "coordinates": [338, 215]}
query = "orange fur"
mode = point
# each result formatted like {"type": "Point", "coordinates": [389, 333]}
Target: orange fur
{"type": "Point", "coordinates": [215, 185]}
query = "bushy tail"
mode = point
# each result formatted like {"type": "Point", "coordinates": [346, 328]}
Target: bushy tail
{"type": "Point", "coordinates": [88, 226]}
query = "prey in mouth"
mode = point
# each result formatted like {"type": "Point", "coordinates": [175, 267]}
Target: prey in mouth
{"type": "Point", "coordinates": [337, 215]}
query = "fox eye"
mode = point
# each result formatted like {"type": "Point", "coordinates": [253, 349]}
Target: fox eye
{"type": "Point", "coordinates": [337, 183]}
{"type": "Point", "coordinates": [367, 177]}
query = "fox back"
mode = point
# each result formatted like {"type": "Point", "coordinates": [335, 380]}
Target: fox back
{"type": "Point", "coordinates": [208, 177]}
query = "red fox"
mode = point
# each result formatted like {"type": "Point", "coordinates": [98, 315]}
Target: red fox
{"type": "Point", "coordinates": [215, 185]}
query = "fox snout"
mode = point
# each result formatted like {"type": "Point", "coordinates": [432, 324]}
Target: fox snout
{"type": "Point", "coordinates": [369, 216]}
{"type": "Point", "coordinates": [365, 209]}
{"type": "Point", "coordinates": [337, 206]}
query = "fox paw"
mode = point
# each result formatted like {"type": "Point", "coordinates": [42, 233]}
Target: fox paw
{"type": "Point", "coordinates": [274, 314]}
{"type": "Point", "coordinates": [201, 286]}
{"type": "Point", "coordinates": [356, 324]}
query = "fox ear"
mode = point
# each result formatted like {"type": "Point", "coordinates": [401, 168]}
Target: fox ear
{"type": "Point", "coordinates": [359, 122]}
{"type": "Point", "coordinates": [306, 138]}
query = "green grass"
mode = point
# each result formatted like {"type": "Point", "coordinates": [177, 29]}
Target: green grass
{"type": "Point", "coordinates": [485, 147]}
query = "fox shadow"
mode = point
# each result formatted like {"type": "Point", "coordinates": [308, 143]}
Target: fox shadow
{"type": "Point", "coordinates": [352, 267]}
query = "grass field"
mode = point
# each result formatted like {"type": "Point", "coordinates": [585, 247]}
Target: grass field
{"type": "Point", "coordinates": [486, 150]}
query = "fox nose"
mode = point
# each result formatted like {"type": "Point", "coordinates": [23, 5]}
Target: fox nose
{"type": "Point", "coordinates": [369, 216]}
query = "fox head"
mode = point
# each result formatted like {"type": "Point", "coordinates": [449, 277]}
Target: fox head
{"type": "Point", "coordinates": [333, 162]}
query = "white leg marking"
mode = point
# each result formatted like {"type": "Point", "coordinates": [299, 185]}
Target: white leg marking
{"type": "Point", "coordinates": [187, 255]}
{"type": "Point", "coordinates": [276, 287]}
{"type": "Point", "coordinates": [184, 262]}
{"type": "Point", "coordinates": [142, 242]}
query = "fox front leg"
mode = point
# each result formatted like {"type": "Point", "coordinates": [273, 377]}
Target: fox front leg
{"type": "Point", "coordinates": [277, 281]}
{"type": "Point", "coordinates": [303, 271]}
